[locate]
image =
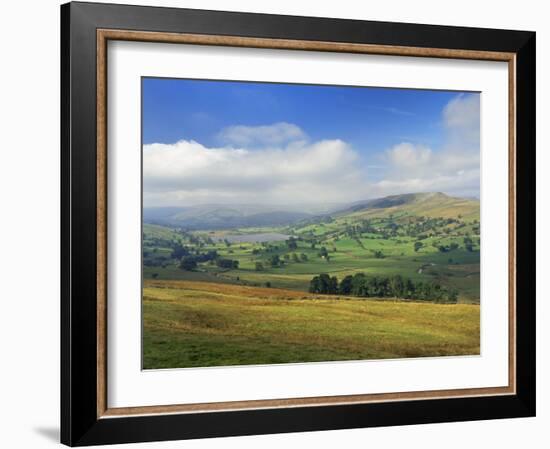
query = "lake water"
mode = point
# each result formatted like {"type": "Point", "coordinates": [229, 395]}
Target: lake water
{"type": "Point", "coordinates": [262, 237]}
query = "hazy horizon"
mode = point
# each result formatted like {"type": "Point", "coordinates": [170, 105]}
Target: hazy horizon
{"type": "Point", "coordinates": [297, 206]}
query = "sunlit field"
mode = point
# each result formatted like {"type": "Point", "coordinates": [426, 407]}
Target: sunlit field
{"type": "Point", "coordinates": [193, 324]}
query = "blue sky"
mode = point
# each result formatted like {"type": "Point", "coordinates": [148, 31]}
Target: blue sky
{"type": "Point", "coordinates": [384, 136]}
{"type": "Point", "coordinates": [371, 119]}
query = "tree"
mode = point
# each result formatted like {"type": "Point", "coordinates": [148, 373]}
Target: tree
{"type": "Point", "coordinates": [410, 288]}
{"type": "Point", "coordinates": [468, 244]}
{"type": "Point", "coordinates": [188, 263]}
{"type": "Point", "coordinates": [417, 246]}
{"type": "Point", "coordinates": [396, 286]}
{"type": "Point", "coordinates": [227, 263]}
{"type": "Point", "coordinates": [323, 252]}
{"type": "Point", "coordinates": [452, 296]}
{"type": "Point", "coordinates": [259, 266]}
{"type": "Point", "coordinates": [275, 261]}
{"type": "Point", "coordinates": [291, 243]}
{"type": "Point", "coordinates": [155, 275]}
{"type": "Point", "coordinates": [179, 251]}
{"type": "Point", "coordinates": [303, 257]}
{"type": "Point", "coordinates": [346, 285]}
{"type": "Point", "coordinates": [332, 285]}
{"type": "Point", "coordinates": [295, 258]}
{"type": "Point", "coordinates": [324, 284]}
{"type": "Point", "coordinates": [315, 285]}
{"type": "Point", "coordinates": [324, 280]}
{"type": "Point", "coordinates": [359, 285]}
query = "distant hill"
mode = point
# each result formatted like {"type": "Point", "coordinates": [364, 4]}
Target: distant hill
{"type": "Point", "coordinates": [222, 217]}
{"type": "Point", "coordinates": [209, 217]}
{"type": "Point", "coordinates": [433, 204]}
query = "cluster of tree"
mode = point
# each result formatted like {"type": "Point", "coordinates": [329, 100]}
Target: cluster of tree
{"type": "Point", "coordinates": [190, 261]}
{"type": "Point", "coordinates": [291, 243]}
{"type": "Point", "coordinates": [275, 261]}
{"type": "Point", "coordinates": [152, 257]}
{"type": "Point", "coordinates": [324, 284]}
{"type": "Point", "coordinates": [227, 263]}
{"type": "Point", "coordinates": [179, 251]}
{"type": "Point", "coordinates": [159, 261]}
{"type": "Point", "coordinates": [194, 240]}
{"type": "Point", "coordinates": [446, 248]}
{"type": "Point", "coordinates": [322, 219]}
{"type": "Point", "coordinates": [421, 227]}
{"type": "Point", "coordinates": [382, 287]}
{"type": "Point", "coordinates": [468, 244]}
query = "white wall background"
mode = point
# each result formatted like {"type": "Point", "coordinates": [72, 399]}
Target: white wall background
{"type": "Point", "coordinates": [29, 227]}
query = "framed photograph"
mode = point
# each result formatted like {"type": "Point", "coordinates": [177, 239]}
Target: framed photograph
{"type": "Point", "coordinates": [280, 224]}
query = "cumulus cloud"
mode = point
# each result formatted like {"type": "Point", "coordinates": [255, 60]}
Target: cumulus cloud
{"type": "Point", "coordinates": [278, 164]}
{"type": "Point", "coordinates": [413, 168]}
{"type": "Point", "coordinates": [462, 118]}
{"type": "Point", "coordinates": [267, 135]}
{"type": "Point", "coordinates": [189, 173]}
{"type": "Point", "coordinates": [454, 169]}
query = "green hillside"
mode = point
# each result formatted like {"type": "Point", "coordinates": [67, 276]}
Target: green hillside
{"type": "Point", "coordinates": [425, 238]}
{"type": "Point", "coordinates": [432, 205]}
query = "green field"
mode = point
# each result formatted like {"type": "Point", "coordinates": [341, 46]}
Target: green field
{"type": "Point", "coordinates": [253, 295]}
{"type": "Point", "coordinates": [375, 241]}
{"type": "Point", "coordinates": [199, 324]}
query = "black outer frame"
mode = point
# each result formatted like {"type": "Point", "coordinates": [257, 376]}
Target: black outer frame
{"type": "Point", "coordinates": [79, 423]}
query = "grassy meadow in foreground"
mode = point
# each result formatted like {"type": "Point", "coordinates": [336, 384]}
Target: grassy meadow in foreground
{"type": "Point", "coordinates": [200, 324]}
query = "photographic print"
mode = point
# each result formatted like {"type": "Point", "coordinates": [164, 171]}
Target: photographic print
{"type": "Point", "coordinates": [294, 223]}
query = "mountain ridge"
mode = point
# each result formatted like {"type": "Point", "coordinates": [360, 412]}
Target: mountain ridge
{"type": "Point", "coordinates": [431, 204]}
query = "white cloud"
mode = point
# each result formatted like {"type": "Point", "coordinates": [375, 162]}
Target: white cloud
{"type": "Point", "coordinates": [409, 160]}
{"type": "Point", "coordinates": [277, 164]}
{"type": "Point", "coordinates": [413, 168]}
{"type": "Point", "coordinates": [189, 173]}
{"type": "Point", "coordinates": [461, 117]}
{"type": "Point", "coordinates": [454, 169]}
{"type": "Point", "coordinates": [267, 135]}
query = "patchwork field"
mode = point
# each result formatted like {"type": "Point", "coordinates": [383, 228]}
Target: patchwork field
{"type": "Point", "coordinates": [199, 324]}
{"type": "Point", "coordinates": [427, 238]}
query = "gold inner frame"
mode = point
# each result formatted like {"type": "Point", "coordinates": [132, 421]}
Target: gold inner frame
{"type": "Point", "coordinates": [104, 35]}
